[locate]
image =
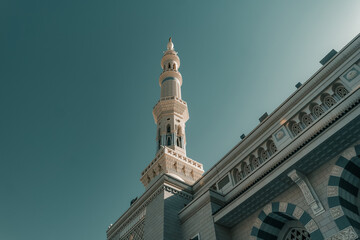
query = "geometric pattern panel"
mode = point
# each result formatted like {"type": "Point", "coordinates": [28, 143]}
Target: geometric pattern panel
{"type": "Point", "coordinates": [275, 215]}
{"type": "Point", "coordinates": [343, 189]}
{"type": "Point", "coordinates": [297, 234]}
{"type": "Point", "coordinates": [136, 233]}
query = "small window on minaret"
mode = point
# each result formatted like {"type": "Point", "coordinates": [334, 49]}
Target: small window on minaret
{"type": "Point", "coordinates": [174, 66]}
{"type": "Point", "coordinates": [168, 129]}
{"type": "Point", "coordinates": [169, 66]}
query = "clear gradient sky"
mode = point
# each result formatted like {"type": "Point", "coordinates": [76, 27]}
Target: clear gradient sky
{"type": "Point", "coordinates": [79, 79]}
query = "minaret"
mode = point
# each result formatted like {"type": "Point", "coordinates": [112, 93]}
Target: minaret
{"type": "Point", "coordinates": [170, 115]}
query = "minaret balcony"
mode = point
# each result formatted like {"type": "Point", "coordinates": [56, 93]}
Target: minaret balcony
{"type": "Point", "coordinates": [170, 105]}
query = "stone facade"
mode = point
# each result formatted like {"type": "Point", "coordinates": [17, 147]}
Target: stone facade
{"type": "Point", "coordinates": [295, 176]}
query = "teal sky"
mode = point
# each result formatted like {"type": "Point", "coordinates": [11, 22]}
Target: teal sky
{"type": "Point", "coordinates": [79, 79]}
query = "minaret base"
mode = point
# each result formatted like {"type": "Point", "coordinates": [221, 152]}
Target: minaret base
{"type": "Point", "coordinates": [174, 164]}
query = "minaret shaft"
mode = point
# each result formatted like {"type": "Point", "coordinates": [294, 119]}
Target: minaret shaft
{"type": "Point", "coordinates": [170, 115]}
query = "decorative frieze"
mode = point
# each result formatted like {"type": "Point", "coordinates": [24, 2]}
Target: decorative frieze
{"type": "Point", "coordinates": [336, 212]}
{"type": "Point", "coordinates": [282, 206]}
{"type": "Point", "coordinates": [308, 192]}
{"type": "Point", "coordinates": [345, 234]}
{"type": "Point", "coordinates": [257, 223]}
{"type": "Point", "coordinates": [311, 226]}
{"type": "Point", "coordinates": [267, 209]}
{"type": "Point", "coordinates": [333, 191]}
{"type": "Point", "coordinates": [298, 212]}
{"type": "Point", "coordinates": [336, 171]}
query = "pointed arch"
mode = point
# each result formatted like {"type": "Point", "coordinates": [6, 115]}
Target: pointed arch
{"type": "Point", "coordinates": [254, 162]}
{"type": "Point", "coordinates": [271, 147]}
{"type": "Point", "coordinates": [262, 154]}
{"type": "Point", "coordinates": [316, 110]}
{"type": "Point", "coordinates": [178, 142]}
{"type": "Point", "coordinates": [274, 217]}
{"type": "Point", "coordinates": [305, 119]}
{"type": "Point", "coordinates": [343, 191]}
{"type": "Point", "coordinates": [294, 128]}
{"type": "Point", "coordinates": [245, 169]}
{"type": "Point", "coordinates": [340, 90]}
{"type": "Point", "coordinates": [236, 175]}
{"type": "Point", "coordinates": [159, 138]}
{"type": "Point", "coordinates": [327, 100]}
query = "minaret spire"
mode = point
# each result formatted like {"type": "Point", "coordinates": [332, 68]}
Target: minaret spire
{"type": "Point", "coordinates": [170, 115]}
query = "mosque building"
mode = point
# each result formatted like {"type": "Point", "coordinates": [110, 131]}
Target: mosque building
{"type": "Point", "coordinates": [295, 176]}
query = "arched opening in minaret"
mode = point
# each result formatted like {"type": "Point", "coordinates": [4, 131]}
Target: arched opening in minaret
{"type": "Point", "coordinates": [169, 66]}
{"type": "Point", "coordinates": [168, 129]}
{"type": "Point", "coordinates": [174, 66]}
{"type": "Point", "coordinates": [169, 141]}
{"type": "Point", "coordinates": [159, 139]}
{"type": "Point", "coordinates": [179, 137]}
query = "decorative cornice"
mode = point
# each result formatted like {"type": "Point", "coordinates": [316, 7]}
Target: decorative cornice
{"type": "Point", "coordinates": [261, 131]}
{"type": "Point", "coordinates": [303, 140]}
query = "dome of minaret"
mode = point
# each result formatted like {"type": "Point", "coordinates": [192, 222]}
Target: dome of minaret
{"type": "Point", "coordinates": [170, 57]}
{"type": "Point", "coordinates": [170, 45]}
